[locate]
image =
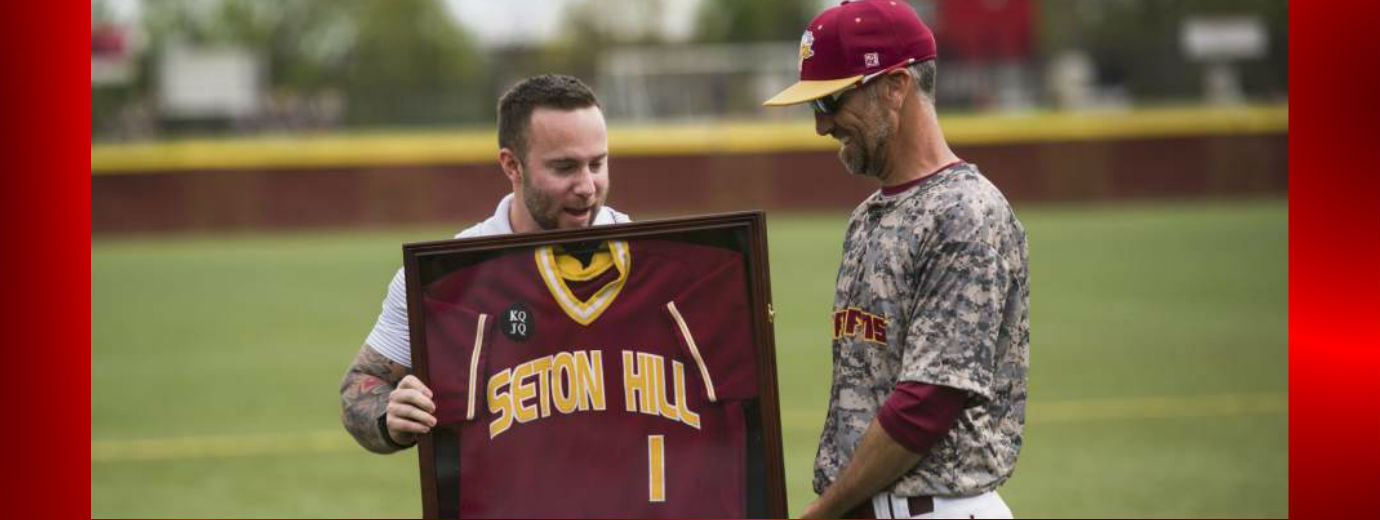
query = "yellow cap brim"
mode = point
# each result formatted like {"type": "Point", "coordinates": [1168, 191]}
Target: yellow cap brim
{"type": "Point", "coordinates": [803, 91]}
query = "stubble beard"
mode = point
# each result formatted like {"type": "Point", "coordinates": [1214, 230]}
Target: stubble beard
{"type": "Point", "coordinates": [870, 144]}
{"type": "Point", "coordinates": [544, 209]}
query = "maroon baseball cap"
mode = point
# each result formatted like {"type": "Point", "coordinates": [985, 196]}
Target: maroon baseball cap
{"type": "Point", "coordinates": [854, 41]}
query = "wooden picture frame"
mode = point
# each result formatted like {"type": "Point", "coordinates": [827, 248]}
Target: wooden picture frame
{"type": "Point", "coordinates": [467, 328]}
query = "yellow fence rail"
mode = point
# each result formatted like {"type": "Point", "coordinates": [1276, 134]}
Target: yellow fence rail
{"type": "Point", "coordinates": [478, 146]}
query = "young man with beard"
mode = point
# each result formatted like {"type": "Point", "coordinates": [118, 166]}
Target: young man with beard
{"type": "Point", "coordinates": [931, 328]}
{"type": "Point", "coordinates": [553, 147]}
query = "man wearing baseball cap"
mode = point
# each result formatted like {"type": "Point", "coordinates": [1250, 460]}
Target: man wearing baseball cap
{"type": "Point", "coordinates": [931, 327]}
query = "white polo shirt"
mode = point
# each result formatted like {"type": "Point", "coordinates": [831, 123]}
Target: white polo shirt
{"type": "Point", "coordinates": [390, 335]}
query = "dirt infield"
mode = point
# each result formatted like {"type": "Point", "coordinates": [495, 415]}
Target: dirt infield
{"type": "Point", "coordinates": [1131, 168]}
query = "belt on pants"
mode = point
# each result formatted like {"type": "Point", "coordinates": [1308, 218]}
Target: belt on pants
{"type": "Point", "coordinates": [918, 506]}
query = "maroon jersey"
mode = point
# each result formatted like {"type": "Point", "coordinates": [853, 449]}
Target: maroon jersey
{"type": "Point", "coordinates": [609, 390]}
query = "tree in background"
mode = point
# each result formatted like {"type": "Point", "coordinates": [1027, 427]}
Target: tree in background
{"type": "Point", "coordinates": [412, 64]}
{"type": "Point", "coordinates": [721, 21]}
{"type": "Point", "coordinates": [395, 62]}
{"type": "Point", "coordinates": [587, 31]}
{"type": "Point", "coordinates": [302, 42]}
{"type": "Point", "coordinates": [1136, 43]}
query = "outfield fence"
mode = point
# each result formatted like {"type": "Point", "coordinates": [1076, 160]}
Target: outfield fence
{"type": "Point", "coordinates": [452, 176]}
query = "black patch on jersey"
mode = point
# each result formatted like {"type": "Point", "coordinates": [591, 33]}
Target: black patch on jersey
{"type": "Point", "coordinates": [518, 323]}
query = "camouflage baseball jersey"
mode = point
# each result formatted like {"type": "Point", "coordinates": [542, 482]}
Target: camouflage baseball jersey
{"type": "Point", "coordinates": [933, 289]}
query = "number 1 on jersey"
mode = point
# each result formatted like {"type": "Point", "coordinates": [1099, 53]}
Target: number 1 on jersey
{"type": "Point", "coordinates": [656, 468]}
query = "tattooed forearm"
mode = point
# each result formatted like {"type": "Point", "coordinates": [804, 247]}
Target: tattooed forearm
{"type": "Point", "coordinates": [364, 397]}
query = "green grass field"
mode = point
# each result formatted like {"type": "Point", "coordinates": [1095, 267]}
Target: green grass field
{"type": "Point", "coordinates": [1158, 377]}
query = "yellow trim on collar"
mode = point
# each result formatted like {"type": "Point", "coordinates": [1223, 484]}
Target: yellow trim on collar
{"type": "Point", "coordinates": [584, 312]}
{"type": "Point", "coordinates": [571, 269]}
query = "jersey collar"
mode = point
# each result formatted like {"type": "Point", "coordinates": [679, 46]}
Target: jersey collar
{"type": "Point", "coordinates": [554, 273]}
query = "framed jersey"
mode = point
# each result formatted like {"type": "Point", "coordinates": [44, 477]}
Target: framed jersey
{"type": "Point", "coordinates": [617, 371]}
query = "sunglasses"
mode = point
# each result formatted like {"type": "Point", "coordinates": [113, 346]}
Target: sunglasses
{"type": "Point", "coordinates": [830, 104]}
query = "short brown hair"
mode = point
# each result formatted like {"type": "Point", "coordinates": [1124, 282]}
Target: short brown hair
{"type": "Point", "coordinates": [515, 108]}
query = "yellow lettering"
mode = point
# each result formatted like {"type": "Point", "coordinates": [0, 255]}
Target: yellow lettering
{"type": "Point", "coordinates": [656, 383]}
{"type": "Point", "coordinates": [590, 366]}
{"type": "Point", "coordinates": [542, 367]}
{"type": "Point", "coordinates": [523, 391]}
{"type": "Point", "coordinates": [500, 403]}
{"type": "Point", "coordinates": [669, 410]}
{"type": "Point", "coordinates": [686, 415]}
{"type": "Point", "coordinates": [567, 381]}
{"type": "Point", "coordinates": [656, 468]}
{"type": "Point", "coordinates": [563, 382]}
{"type": "Point", "coordinates": [634, 381]}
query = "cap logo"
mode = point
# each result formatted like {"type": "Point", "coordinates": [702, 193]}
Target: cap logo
{"type": "Point", "coordinates": [871, 60]}
{"type": "Point", "coordinates": [807, 42]}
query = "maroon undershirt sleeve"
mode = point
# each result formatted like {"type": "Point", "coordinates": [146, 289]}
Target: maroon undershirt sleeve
{"type": "Point", "coordinates": [917, 415]}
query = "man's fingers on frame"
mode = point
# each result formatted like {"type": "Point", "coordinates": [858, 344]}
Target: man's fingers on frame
{"type": "Point", "coordinates": [404, 425]}
{"type": "Point", "coordinates": [411, 381]}
{"type": "Point", "coordinates": [412, 397]}
{"type": "Point", "coordinates": [411, 413]}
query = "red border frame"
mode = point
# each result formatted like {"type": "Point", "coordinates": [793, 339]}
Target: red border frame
{"type": "Point", "coordinates": [1334, 259]}
{"type": "Point", "coordinates": [47, 211]}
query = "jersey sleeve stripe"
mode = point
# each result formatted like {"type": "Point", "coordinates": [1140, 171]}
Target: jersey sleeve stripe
{"type": "Point", "coordinates": [694, 351]}
{"type": "Point", "coordinates": [474, 363]}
